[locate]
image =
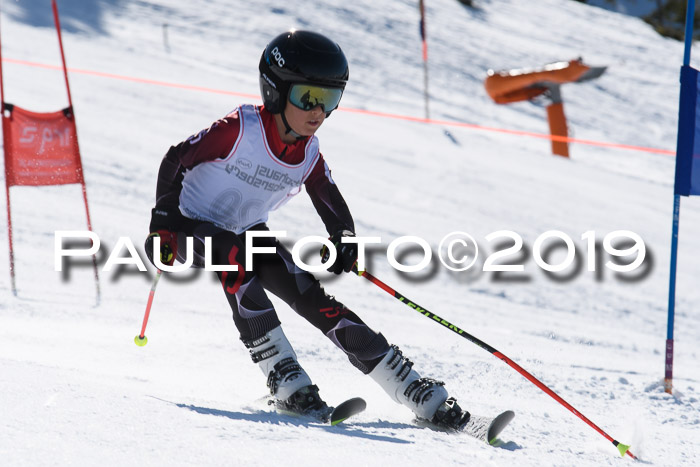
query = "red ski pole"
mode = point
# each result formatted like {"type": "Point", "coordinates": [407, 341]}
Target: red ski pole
{"type": "Point", "coordinates": [623, 448]}
{"type": "Point", "coordinates": [141, 339]}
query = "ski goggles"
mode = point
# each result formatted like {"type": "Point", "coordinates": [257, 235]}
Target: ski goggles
{"type": "Point", "coordinates": [308, 96]}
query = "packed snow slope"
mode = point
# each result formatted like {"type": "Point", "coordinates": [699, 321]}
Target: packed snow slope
{"type": "Point", "coordinates": [75, 390]}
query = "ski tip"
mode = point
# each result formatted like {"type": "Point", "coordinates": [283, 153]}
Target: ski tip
{"type": "Point", "coordinates": [498, 424]}
{"type": "Point", "coordinates": [338, 421]}
{"type": "Point", "coordinates": [357, 403]}
{"type": "Point", "coordinates": [347, 409]}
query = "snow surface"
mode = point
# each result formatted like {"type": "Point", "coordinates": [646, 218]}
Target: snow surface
{"type": "Point", "coordinates": [75, 390]}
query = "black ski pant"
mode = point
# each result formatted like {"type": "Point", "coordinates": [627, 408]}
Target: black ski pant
{"type": "Point", "coordinates": [253, 312]}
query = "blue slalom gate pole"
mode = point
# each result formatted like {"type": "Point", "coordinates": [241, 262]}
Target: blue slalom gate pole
{"type": "Point", "coordinates": [668, 375]}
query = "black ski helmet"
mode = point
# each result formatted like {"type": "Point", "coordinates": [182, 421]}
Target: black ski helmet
{"type": "Point", "coordinates": [299, 57]}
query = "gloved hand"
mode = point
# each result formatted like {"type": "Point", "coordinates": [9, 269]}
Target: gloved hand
{"type": "Point", "coordinates": [168, 246]}
{"type": "Point", "coordinates": [164, 224]}
{"type": "Point", "coordinates": [346, 253]}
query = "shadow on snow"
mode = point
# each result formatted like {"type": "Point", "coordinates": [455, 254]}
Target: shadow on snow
{"type": "Point", "coordinates": [281, 419]}
{"type": "Point", "coordinates": [77, 16]}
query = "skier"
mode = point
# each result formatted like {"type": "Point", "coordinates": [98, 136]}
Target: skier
{"type": "Point", "coordinates": [223, 182]}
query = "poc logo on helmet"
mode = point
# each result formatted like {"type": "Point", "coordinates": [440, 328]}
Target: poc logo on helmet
{"type": "Point", "coordinates": [278, 57]}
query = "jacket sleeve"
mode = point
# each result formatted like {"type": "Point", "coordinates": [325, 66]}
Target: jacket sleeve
{"type": "Point", "coordinates": [170, 177]}
{"type": "Point", "coordinates": [327, 200]}
{"type": "Point", "coordinates": [209, 144]}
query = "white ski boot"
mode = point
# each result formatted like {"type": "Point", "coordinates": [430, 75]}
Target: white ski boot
{"type": "Point", "coordinates": [395, 374]}
{"type": "Point", "coordinates": [289, 384]}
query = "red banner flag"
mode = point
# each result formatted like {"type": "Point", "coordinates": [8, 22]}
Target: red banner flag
{"type": "Point", "coordinates": [40, 148]}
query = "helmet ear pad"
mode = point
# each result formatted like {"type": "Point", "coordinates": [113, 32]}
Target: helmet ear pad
{"type": "Point", "coordinates": [273, 90]}
{"type": "Point", "coordinates": [272, 97]}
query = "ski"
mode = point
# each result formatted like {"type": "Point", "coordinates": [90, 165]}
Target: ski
{"type": "Point", "coordinates": [333, 416]}
{"type": "Point", "coordinates": [487, 429]}
{"type": "Point", "coordinates": [498, 424]}
{"type": "Point", "coordinates": [347, 409]}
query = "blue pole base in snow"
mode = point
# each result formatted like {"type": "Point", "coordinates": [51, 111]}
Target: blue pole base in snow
{"type": "Point", "coordinates": [668, 376]}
